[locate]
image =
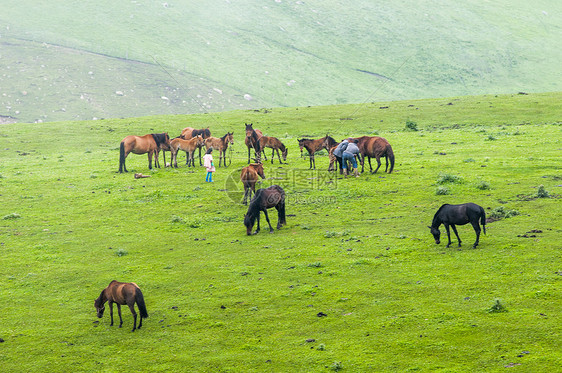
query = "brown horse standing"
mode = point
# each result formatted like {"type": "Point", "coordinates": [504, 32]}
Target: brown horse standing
{"type": "Point", "coordinates": [275, 144]}
{"type": "Point", "coordinates": [220, 144]}
{"type": "Point", "coordinates": [188, 146]}
{"type": "Point", "coordinates": [122, 293]}
{"type": "Point", "coordinates": [264, 199]}
{"type": "Point", "coordinates": [252, 140]}
{"type": "Point", "coordinates": [313, 146]}
{"type": "Point", "coordinates": [189, 133]}
{"type": "Point", "coordinates": [249, 178]}
{"type": "Point", "coordinates": [377, 147]}
{"type": "Point", "coordinates": [151, 144]}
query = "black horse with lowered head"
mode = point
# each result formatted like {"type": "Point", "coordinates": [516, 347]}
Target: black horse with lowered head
{"type": "Point", "coordinates": [274, 196]}
{"type": "Point", "coordinates": [453, 215]}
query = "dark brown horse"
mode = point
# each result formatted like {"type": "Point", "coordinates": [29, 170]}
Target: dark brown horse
{"type": "Point", "coordinates": [313, 146]}
{"type": "Point", "coordinates": [189, 133]}
{"type": "Point", "coordinates": [375, 147]}
{"type": "Point", "coordinates": [252, 140]}
{"type": "Point", "coordinates": [188, 146]}
{"type": "Point", "coordinates": [274, 196]}
{"type": "Point", "coordinates": [221, 144]}
{"type": "Point", "coordinates": [151, 144]}
{"type": "Point", "coordinates": [122, 293]}
{"type": "Point", "coordinates": [275, 144]}
{"type": "Point", "coordinates": [452, 215]}
{"type": "Point", "coordinates": [249, 178]}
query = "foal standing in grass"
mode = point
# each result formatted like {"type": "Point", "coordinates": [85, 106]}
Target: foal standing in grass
{"type": "Point", "coordinates": [122, 293]}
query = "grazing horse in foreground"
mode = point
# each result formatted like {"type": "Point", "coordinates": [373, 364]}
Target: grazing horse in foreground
{"type": "Point", "coordinates": [313, 146]}
{"type": "Point", "coordinates": [377, 147]}
{"type": "Point", "coordinates": [122, 293]}
{"type": "Point", "coordinates": [249, 178]}
{"type": "Point", "coordinates": [452, 215]}
{"type": "Point", "coordinates": [275, 144]}
{"type": "Point", "coordinates": [188, 146]}
{"type": "Point", "coordinates": [220, 144]}
{"type": "Point", "coordinates": [151, 144]}
{"type": "Point", "coordinates": [274, 196]}
{"type": "Point", "coordinates": [252, 140]}
{"type": "Point", "coordinates": [188, 133]}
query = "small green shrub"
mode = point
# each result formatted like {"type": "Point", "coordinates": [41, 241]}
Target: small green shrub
{"type": "Point", "coordinates": [469, 160]}
{"type": "Point", "coordinates": [502, 213]}
{"type": "Point", "coordinates": [483, 185]}
{"type": "Point", "coordinates": [315, 265]}
{"type": "Point", "coordinates": [121, 252]}
{"type": "Point", "coordinates": [195, 223]}
{"type": "Point", "coordinates": [411, 125]}
{"type": "Point", "coordinates": [442, 191]}
{"type": "Point", "coordinates": [12, 216]}
{"type": "Point", "coordinates": [542, 192]}
{"type": "Point", "coordinates": [336, 366]}
{"type": "Point", "coordinates": [177, 219]}
{"type": "Point", "coordinates": [491, 138]}
{"type": "Point", "coordinates": [497, 307]}
{"type": "Point", "coordinates": [448, 178]}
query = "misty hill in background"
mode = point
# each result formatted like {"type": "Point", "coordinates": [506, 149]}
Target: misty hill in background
{"type": "Point", "coordinates": [63, 60]}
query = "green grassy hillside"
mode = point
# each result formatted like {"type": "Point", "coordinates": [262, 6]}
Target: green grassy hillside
{"type": "Point", "coordinates": [107, 59]}
{"type": "Point", "coordinates": [356, 250]}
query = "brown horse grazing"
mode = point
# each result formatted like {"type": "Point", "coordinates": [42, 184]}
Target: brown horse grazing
{"type": "Point", "coordinates": [452, 215]}
{"type": "Point", "coordinates": [122, 293]}
{"type": "Point", "coordinates": [377, 147]}
{"type": "Point", "coordinates": [151, 144]}
{"type": "Point", "coordinates": [188, 133]}
{"type": "Point", "coordinates": [274, 196]}
{"type": "Point", "coordinates": [252, 140]}
{"type": "Point", "coordinates": [249, 178]}
{"type": "Point", "coordinates": [313, 146]}
{"type": "Point", "coordinates": [275, 144]}
{"type": "Point", "coordinates": [220, 144]}
{"type": "Point", "coordinates": [188, 146]}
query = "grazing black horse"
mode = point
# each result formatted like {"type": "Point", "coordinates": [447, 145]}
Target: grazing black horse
{"type": "Point", "coordinates": [452, 215]}
{"type": "Point", "coordinates": [274, 196]}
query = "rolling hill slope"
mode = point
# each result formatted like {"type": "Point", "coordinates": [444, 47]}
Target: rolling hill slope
{"type": "Point", "coordinates": [64, 61]}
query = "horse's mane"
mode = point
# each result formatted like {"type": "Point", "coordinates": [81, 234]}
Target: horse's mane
{"type": "Point", "coordinates": [224, 137]}
{"type": "Point", "coordinates": [436, 216]}
{"type": "Point", "coordinates": [204, 132]}
{"type": "Point", "coordinates": [159, 138]}
{"type": "Point", "coordinates": [256, 140]}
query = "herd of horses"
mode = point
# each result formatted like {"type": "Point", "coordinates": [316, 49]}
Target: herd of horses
{"type": "Point", "coordinates": [192, 139]}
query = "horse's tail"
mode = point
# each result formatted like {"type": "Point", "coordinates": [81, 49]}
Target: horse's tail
{"type": "Point", "coordinates": [281, 211]}
{"type": "Point", "coordinates": [390, 155]}
{"type": "Point", "coordinates": [483, 219]}
{"type": "Point", "coordinates": [121, 156]}
{"type": "Point", "coordinates": [140, 303]}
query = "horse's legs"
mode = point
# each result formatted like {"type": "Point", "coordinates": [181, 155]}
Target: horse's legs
{"type": "Point", "coordinates": [246, 191]}
{"type": "Point", "coordinates": [456, 233]}
{"type": "Point", "coordinates": [119, 312]}
{"type": "Point", "coordinates": [448, 234]}
{"type": "Point", "coordinates": [476, 227]}
{"type": "Point", "coordinates": [370, 166]}
{"type": "Point", "coordinates": [156, 155]}
{"type": "Point", "coordinates": [111, 312]}
{"type": "Point", "coordinates": [267, 218]}
{"type": "Point", "coordinates": [273, 155]}
{"type": "Point", "coordinates": [258, 221]}
{"type": "Point", "coordinates": [200, 164]}
{"type": "Point", "coordinates": [150, 160]}
{"type": "Point", "coordinates": [132, 308]}
{"type": "Point", "coordinates": [248, 155]}
{"type": "Point", "coordinates": [378, 158]}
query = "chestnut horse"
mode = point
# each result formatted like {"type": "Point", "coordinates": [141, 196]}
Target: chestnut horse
{"type": "Point", "coordinates": [313, 146]}
{"type": "Point", "coordinates": [122, 293]}
{"type": "Point", "coordinates": [274, 196]}
{"type": "Point", "coordinates": [252, 140]}
{"type": "Point", "coordinates": [275, 144]}
{"type": "Point", "coordinates": [188, 146]}
{"type": "Point", "coordinates": [151, 144]}
{"type": "Point", "coordinates": [220, 144]}
{"type": "Point", "coordinates": [377, 147]}
{"type": "Point", "coordinates": [249, 178]}
{"type": "Point", "coordinates": [188, 133]}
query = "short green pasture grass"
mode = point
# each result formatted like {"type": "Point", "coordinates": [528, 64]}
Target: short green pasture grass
{"type": "Point", "coordinates": [354, 282]}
